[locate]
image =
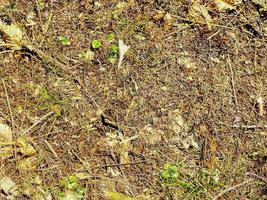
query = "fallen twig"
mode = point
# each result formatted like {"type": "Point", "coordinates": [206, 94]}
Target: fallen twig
{"type": "Point", "coordinates": [250, 127]}
{"type": "Point", "coordinates": [232, 188]}
{"type": "Point", "coordinates": [264, 179]}
{"type": "Point", "coordinates": [37, 122]}
{"type": "Point", "coordinates": [8, 104]}
{"type": "Point", "coordinates": [122, 164]}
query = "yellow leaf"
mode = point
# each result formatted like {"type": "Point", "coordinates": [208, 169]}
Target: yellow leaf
{"type": "Point", "coordinates": [223, 5]}
{"type": "Point", "coordinates": [13, 36]}
{"type": "Point", "coordinates": [5, 133]}
{"type": "Point", "coordinates": [25, 148]}
{"type": "Point", "coordinates": [199, 14]}
{"type": "Point", "coordinates": [118, 196]}
{"type": "Point", "coordinates": [29, 163]}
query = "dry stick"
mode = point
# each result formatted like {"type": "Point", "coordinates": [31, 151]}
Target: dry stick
{"type": "Point", "coordinates": [250, 127]}
{"type": "Point", "coordinates": [37, 122]}
{"type": "Point", "coordinates": [122, 164]}
{"type": "Point", "coordinates": [50, 59]}
{"type": "Point", "coordinates": [232, 81]}
{"type": "Point", "coordinates": [8, 104]}
{"type": "Point", "coordinates": [232, 188]}
{"type": "Point", "coordinates": [264, 179]}
{"type": "Point", "coordinates": [51, 148]}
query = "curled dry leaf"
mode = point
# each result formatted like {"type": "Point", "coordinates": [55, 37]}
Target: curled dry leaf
{"type": "Point", "coordinates": [199, 14]}
{"type": "Point", "coordinates": [122, 50]}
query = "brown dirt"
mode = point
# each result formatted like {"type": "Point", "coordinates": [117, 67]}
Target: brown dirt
{"type": "Point", "coordinates": [227, 74]}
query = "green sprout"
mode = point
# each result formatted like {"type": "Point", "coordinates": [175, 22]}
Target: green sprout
{"type": "Point", "coordinates": [87, 56]}
{"type": "Point", "coordinates": [110, 36]}
{"type": "Point", "coordinates": [64, 40]}
{"type": "Point", "coordinates": [114, 54]}
{"type": "Point", "coordinates": [96, 44]}
{"type": "Point", "coordinates": [170, 174]}
{"type": "Point", "coordinates": [72, 190]}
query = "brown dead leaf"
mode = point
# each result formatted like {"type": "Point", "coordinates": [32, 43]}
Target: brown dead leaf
{"type": "Point", "coordinates": [177, 122]}
{"type": "Point", "coordinates": [124, 156]}
{"type": "Point", "coordinates": [4, 3]}
{"type": "Point", "coordinates": [151, 135]}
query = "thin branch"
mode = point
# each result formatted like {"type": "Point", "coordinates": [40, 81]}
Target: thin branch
{"type": "Point", "coordinates": [37, 122]}
{"type": "Point", "coordinates": [250, 127]}
{"type": "Point", "coordinates": [8, 104]}
{"type": "Point", "coordinates": [232, 188]}
{"type": "Point", "coordinates": [122, 164]}
{"type": "Point", "coordinates": [264, 179]}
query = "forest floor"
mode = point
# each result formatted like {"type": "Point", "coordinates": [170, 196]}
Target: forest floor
{"type": "Point", "coordinates": [183, 116]}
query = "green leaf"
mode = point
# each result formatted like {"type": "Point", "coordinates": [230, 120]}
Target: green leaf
{"type": "Point", "coordinates": [87, 56]}
{"type": "Point", "coordinates": [111, 36]}
{"type": "Point", "coordinates": [173, 169]}
{"type": "Point", "coordinates": [112, 60]}
{"type": "Point", "coordinates": [96, 44]}
{"type": "Point", "coordinates": [115, 49]}
{"type": "Point", "coordinates": [64, 40]}
{"type": "Point", "coordinates": [165, 174]}
{"type": "Point", "coordinates": [118, 196]}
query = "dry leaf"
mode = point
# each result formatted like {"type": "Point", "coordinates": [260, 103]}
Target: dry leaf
{"type": "Point", "coordinates": [261, 3]}
{"type": "Point", "coordinates": [29, 163]}
{"type": "Point", "coordinates": [4, 3]}
{"type": "Point", "coordinates": [9, 187]}
{"type": "Point", "coordinates": [25, 148]}
{"type": "Point", "coordinates": [122, 49]}
{"type": "Point", "coordinates": [164, 17]}
{"type": "Point", "coordinates": [6, 152]}
{"type": "Point", "coordinates": [118, 196]}
{"type": "Point", "coordinates": [124, 156]}
{"type": "Point", "coordinates": [151, 135]}
{"type": "Point", "coordinates": [223, 5]}
{"type": "Point", "coordinates": [5, 133]}
{"type": "Point", "coordinates": [13, 36]}
{"type": "Point", "coordinates": [120, 7]}
{"type": "Point", "coordinates": [200, 14]}
{"type": "Point", "coordinates": [260, 106]}
{"type": "Point", "coordinates": [177, 122]}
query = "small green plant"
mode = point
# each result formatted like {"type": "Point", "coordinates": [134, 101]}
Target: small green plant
{"type": "Point", "coordinates": [72, 190]}
{"type": "Point", "coordinates": [111, 37]}
{"type": "Point", "coordinates": [64, 40]}
{"type": "Point", "coordinates": [96, 44]}
{"type": "Point", "coordinates": [169, 174]}
{"type": "Point", "coordinates": [114, 54]}
{"type": "Point", "coordinates": [87, 56]}
{"type": "Point", "coordinates": [40, 4]}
